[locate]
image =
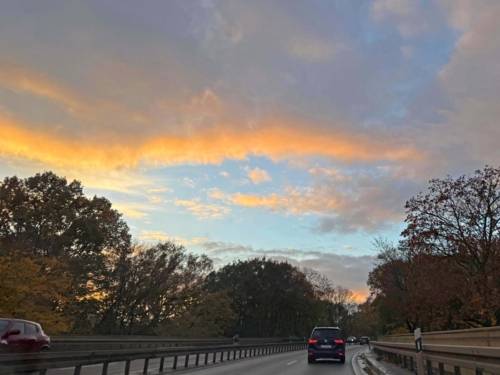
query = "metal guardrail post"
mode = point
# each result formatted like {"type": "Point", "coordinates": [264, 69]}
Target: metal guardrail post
{"type": "Point", "coordinates": [441, 369]}
{"type": "Point", "coordinates": [162, 364]}
{"type": "Point", "coordinates": [456, 370]}
{"type": "Point", "coordinates": [214, 358]}
{"type": "Point", "coordinates": [186, 361]}
{"type": "Point", "coordinates": [104, 370]}
{"type": "Point", "coordinates": [77, 370]}
{"type": "Point", "coordinates": [429, 367]}
{"type": "Point", "coordinates": [174, 364]}
{"type": "Point", "coordinates": [146, 366]}
{"type": "Point", "coordinates": [206, 359]}
{"type": "Point", "coordinates": [127, 367]}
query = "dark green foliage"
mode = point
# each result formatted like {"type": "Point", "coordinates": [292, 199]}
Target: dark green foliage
{"type": "Point", "coordinates": [273, 298]}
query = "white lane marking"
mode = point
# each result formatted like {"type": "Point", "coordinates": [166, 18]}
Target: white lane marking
{"type": "Point", "coordinates": [291, 362]}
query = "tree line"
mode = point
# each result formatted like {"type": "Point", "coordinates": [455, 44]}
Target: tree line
{"type": "Point", "coordinates": [444, 273]}
{"type": "Point", "coordinates": [68, 261]}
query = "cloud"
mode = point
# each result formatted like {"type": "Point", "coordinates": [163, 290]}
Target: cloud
{"type": "Point", "coordinates": [216, 193]}
{"type": "Point", "coordinates": [203, 210]}
{"type": "Point", "coordinates": [311, 49]}
{"type": "Point", "coordinates": [154, 235]}
{"type": "Point", "coordinates": [276, 139]}
{"type": "Point", "coordinates": [410, 17]}
{"type": "Point", "coordinates": [161, 236]}
{"type": "Point", "coordinates": [296, 201]}
{"type": "Point", "coordinates": [159, 190]}
{"type": "Point", "coordinates": [132, 210]}
{"type": "Point", "coordinates": [343, 203]}
{"type": "Point", "coordinates": [258, 175]}
{"type": "Point", "coordinates": [466, 135]}
{"type": "Point", "coordinates": [20, 79]}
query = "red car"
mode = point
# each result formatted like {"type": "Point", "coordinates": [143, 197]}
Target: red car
{"type": "Point", "coordinates": [18, 335]}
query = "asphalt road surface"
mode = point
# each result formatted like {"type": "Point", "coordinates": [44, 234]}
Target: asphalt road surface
{"type": "Point", "coordinates": [292, 363]}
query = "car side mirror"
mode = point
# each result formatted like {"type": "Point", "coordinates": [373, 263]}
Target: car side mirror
{"type": "Point", "coordinates": [13, 332]}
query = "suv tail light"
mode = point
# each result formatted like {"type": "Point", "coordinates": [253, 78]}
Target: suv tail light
{"type": "Point", "coordinates": [339, 342]}
{"type": "Point", "coordinates": [312, 341]}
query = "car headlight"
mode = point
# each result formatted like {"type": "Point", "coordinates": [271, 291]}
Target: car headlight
{"type": "Point", "coordinates": [3, 342]}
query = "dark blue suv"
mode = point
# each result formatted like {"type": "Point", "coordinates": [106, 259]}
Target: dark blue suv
{"type": "Point", "coordinates": [326, 343]}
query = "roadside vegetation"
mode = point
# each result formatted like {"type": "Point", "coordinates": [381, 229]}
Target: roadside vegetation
{"type": "Point", "coordinates": [445, 271]}
{"type": "Point", "coordinates": [68, 261]}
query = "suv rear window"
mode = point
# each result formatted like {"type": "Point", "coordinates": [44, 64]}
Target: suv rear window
{"type": "Point", "coordinates": [3, 325]}
{"type": "Point", "coordinates": [326, 333]}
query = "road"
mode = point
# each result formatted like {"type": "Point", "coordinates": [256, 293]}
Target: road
{"type": "Point", "coordinates": [292, 363]}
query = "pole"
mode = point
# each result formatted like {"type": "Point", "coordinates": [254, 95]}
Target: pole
{"type": "Point", "coordinates": [418, 346]}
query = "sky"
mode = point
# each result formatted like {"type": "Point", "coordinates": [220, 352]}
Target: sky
{"type": "Point", "coordinates": [289, 129]}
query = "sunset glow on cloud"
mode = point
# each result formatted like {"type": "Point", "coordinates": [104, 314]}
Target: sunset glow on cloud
{"type": "Point", "coordinates": [240, 129]}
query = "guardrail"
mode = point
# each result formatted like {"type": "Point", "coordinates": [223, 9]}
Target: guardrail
{"type": "Point", "coordinates": [178, 357]}
{"type": "Point", "coordinates": [444, 359]}
{"type": "Point", "coordinates": [74, 343]}
{"type": "Point", "coordinates": [487, 336]}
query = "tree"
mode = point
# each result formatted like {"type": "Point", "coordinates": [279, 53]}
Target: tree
{"type": "Point", "coordinates": [460, 219]}
{"type": "Point", "coordinates": [210, 315]}
{"type": "Point", "coordinates": [269, 298]}
{"type": "Point", "coordinates": [35, 290]}
{"type": "Point", "coordinates": [158, 284]}
{"type": "Point", "coordinates": [335, 304]}
{"type": "Point", "coordinates": [45, 217]}
{"type": "Point", "coordinates": [445, 271]}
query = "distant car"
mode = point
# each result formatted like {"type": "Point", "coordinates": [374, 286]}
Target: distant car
{"type": "Point", "coordinates": [326, 343]}
{"type": "Point", "coordinates": [352, 340]}
{"type": "Point", "coordinates": [18, 335]}
{"type": "Point", "coordinates": [364, 340]}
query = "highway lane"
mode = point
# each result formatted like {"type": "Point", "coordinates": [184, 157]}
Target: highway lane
{"type": "Point", "coordinates": [292, 363]}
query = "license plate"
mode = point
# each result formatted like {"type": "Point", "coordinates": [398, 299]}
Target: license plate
{"type": "Point", "coordinates": [325, 346]}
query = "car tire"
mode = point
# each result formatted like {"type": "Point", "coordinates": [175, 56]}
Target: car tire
{"type": "Point", "coordinates": [342, 360]}
{"type": "Point", "coordinates": [310, 361]}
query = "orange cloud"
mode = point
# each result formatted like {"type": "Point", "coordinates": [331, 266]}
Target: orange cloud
{"type": "Point", "coordinates": [206, 133]}
{"type": "Point", "coordinates": [274, 139]}
{"type": "Point", "coordinates": [258, 175]}
{"type": "Point", "coordinates": [295, 201]}
{"type": "Point", "coordinates": [20, 79]}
